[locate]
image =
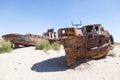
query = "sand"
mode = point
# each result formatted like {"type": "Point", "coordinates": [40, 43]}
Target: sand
{"type": "Point", "coordinates": [30, 64]}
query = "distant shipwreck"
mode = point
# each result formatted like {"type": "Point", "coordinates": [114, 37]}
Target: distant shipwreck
{"type": "Point", "coordinates": [87, 42]}
{"type": "Point", "coordinates": [30, 39]}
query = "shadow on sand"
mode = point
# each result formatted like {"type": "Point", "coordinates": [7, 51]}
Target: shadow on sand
{"type": "Point", "coordinates": [51, 65]}
{"type": "Point", "coordinates": [57, 64]}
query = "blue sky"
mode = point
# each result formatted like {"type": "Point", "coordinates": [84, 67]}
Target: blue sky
{"type": "Point", "coordinates": [36, 16]}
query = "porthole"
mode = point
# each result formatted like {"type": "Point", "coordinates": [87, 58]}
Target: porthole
{"type": "Point", "coordinates": [63, 31]}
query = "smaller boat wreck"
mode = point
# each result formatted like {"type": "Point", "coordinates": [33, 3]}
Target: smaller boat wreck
{"type": "Point", "coordinates": [88, 42]}
{"type": "Point", "coordinates": [30, 39]}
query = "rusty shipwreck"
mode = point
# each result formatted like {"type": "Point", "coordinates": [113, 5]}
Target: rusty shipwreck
{"type": "Point", "coordinates": [88, 42]}
{"type": "Point", "coordinates": [30, 39]}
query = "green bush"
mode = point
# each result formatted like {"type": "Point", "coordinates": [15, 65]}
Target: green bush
{"type": "Point", "coordinates": [43, 45]}
{"type": "Point", "coordinates": [5, 46]}
{"type": "Point", "coordinates": [56, 45]}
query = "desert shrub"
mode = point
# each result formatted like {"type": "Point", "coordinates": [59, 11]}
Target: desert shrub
{"type": "Point", "coordinates": [5, 46]}
{"type": "Point", "coordinates": [112, 55]}
{"type": "Point", "coordinates": [43, 45]}
{"type": "Point", "coordinates": [55, 45]}
{"type": "Point", "coordinates": [117, 43]}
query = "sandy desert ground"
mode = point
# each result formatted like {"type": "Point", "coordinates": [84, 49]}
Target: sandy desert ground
{"type": "Point", "coordinates": [30, 64]}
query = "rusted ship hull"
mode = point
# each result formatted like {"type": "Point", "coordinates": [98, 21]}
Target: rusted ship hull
{"type": "Point", "coordinates": [19, 39]}
{"type": "Point", "coordinates": [76, 49]}
{"type": "Point", "coordinates": [30, 39]}
{"type": "Point", "coordinates": [84, 45]}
